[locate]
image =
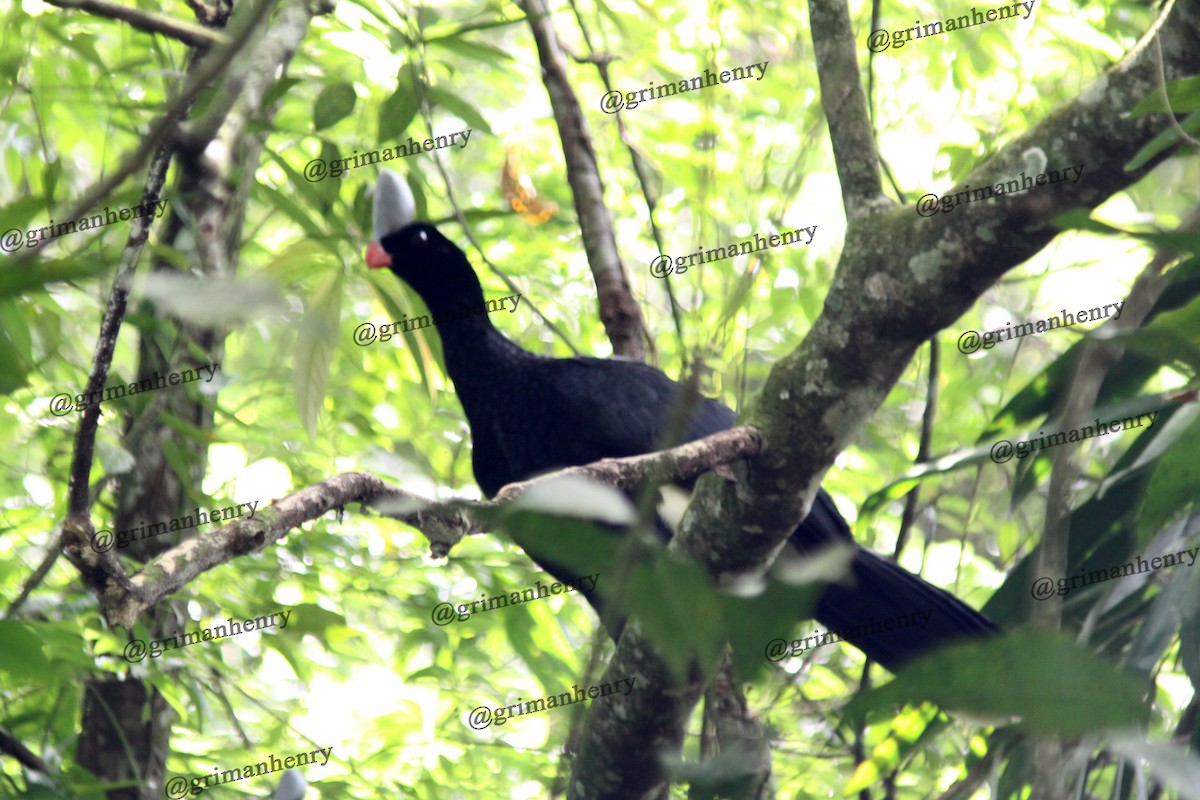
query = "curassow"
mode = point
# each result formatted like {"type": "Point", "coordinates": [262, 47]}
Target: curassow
{"type": "Point", "coordinates": [531, 414]}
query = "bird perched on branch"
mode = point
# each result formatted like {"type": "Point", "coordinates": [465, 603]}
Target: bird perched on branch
{"type": "Point", "coordinates": [530, 414]}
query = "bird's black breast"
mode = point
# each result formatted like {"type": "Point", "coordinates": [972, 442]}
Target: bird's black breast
{"type": "Point", "coordinates": [557, 413]}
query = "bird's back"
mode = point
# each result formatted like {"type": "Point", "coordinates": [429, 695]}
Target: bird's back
{"type": "Point", "coordinates": [552, 413]}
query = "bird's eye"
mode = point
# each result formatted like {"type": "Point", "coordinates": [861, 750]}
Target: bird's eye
{"type": "Point", "coordinates": [424, 237]}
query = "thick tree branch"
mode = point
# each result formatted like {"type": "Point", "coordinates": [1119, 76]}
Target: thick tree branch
{"type": "Point", "coordinates": [126, 597]}
{"type": "Point", "coordinates": [845, 105]}
{"type": "Point", "coordinates": [186, 32]}
{"type": "Point", "coordinates": [901, 278]}
{"type": "Point", "coordinates": [641, 166]}
{"type": "Point", "coordinates": [620, 313]}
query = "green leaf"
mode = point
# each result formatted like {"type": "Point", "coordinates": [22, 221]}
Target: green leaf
{"type": "Point", "coordinates": [398, 111]}
{"type": "Point", "coordinates": [1043, 679]}
{"type": "Point", "coordinates": [16, 347]}
{"type": "Point", "coordinates": [677, 607]}
{"type": "Point", "coordinates": [1080, 219]}
{"type": "Point", "coordinates": [459, 108]}
{"type": "Point", "coordinates": [476, 51]}
{"type": "Point", "coordinates": [315, 347]}
{"type": "Point", "coordinates": [21, 653]}
{"type": "Point", "coordinates": [571, 547]}
{"type": "Point", "coordinates": [756, 625]}
{"type": "Point", "coordinates": [51, 176]}
{"type": "Point", "coordinates": [278, 89]}
{"type": "Point", "coordinates": [1157, 632]}
{"type": "Point", "coordinates": [298, 261]}
{"type": "Point", "coordinates": [311, 618]}
{"type": "Point", "coordinates": [293, 210]}
{"type": "Point", "coordinates": [1168, 138]}
{"type": "Point", "coordinates": [1183, 96]}
{"type": "Point", "coordinates": [1172, 488]}
{"type": "Point", "coordinates": [434, 34]}
{"type": "Point", "coordinates": [33, 276]}
{"type": "Point", "coordinates": [334, 103]}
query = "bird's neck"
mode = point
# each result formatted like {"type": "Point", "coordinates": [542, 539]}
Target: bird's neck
{"type": "Point", "coordinates": [477, 355]}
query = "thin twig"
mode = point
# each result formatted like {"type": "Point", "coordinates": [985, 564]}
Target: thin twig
{"type": "Point", "coordinates": [163, 129]}
{"type": "Point", "coordinates": [931, 403]}
{"type": "Point", "coordinates": [14, 747]}
{"type": "Point", "coordinates": [1162, 89]}
{"type": "Point", "coordinates": [33, 582]}
{"type": "Point", "coordinates": [639, 167]}
{"type": "Point", "coordinates": [619, 312]}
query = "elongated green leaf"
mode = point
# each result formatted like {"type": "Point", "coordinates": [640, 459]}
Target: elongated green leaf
{"type": "Point", "coordinates": [34, 276]}
{"type": "Point", "coordinates": [1183, 96]}
{"type": "Point", "coordinates": [459, 108]}
{"type": "Point", "coordinates": [476, 51]}
{"type": "Point", "coordinates": [315, 347]}
{"type": "Point", "coordinates": [1168, 138]}
{"type": "Point", "coordinates": [21, 654]}
{"type": "Point", "coordinates": [1043, 680]}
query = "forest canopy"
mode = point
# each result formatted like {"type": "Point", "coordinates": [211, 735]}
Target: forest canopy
{"type": "Point", "coordinates": [941, 261]}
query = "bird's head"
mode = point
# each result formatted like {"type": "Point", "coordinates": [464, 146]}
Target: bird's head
{"type": "Point", "coordinates": [415, 251]}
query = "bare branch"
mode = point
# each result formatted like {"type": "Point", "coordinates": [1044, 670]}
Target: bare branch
{"type": "Point", "coordinates": [126, 597]}
{"type": "Point", "coordinates": [845, 105]}
{"type": "Point", "coordinates": [186, 32]}
{"type": "Point", "coordinates": [677, 464]}
{"type": "Point", "coordinates": [620, 313]}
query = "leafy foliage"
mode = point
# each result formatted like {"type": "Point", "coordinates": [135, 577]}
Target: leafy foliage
{"type": "Point", "coordinates": [362, 667]}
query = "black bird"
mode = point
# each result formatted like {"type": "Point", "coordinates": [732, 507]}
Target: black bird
{"type": "Point", "coordinates": [530, 414]}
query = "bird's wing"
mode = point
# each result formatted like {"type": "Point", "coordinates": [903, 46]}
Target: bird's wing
{"type": "Point", "coordinates": [624, 408]}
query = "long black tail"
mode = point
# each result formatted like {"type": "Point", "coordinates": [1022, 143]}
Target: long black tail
{"type": "Point", "coordinates": [884, 610]}
{"type": "Point", "coordinates": [892, 615]}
